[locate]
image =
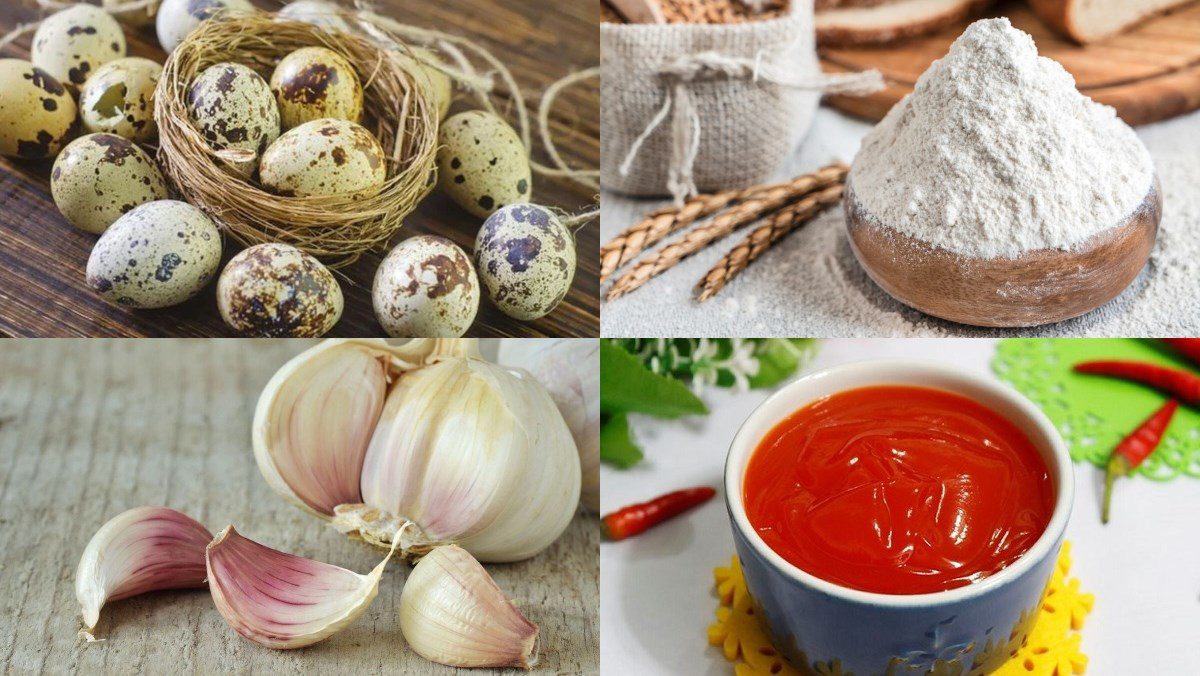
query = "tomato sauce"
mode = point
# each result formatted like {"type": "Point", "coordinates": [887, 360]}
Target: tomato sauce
{"type": "Point", "coordinates": [898, 490]}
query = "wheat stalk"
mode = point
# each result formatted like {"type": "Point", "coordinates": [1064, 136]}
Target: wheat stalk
{"type": "Point", "coordinates": [757, 242]}
{"type": "Point", "coordinates": [723, 224]}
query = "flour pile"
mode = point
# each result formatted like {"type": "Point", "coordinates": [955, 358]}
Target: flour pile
{"type": "Point", "coordinates": [995, 153]}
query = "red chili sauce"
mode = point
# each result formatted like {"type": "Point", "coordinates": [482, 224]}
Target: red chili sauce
{"type": "Point", "coordinates": [898, 490]}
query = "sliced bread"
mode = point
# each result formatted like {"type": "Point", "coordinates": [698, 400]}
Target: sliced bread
{"type": "Point", "coordinates": [1090, 20]}
{"type": "Point", "coordinates": [890, 22]}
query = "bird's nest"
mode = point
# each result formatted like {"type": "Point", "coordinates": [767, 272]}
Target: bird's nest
{"type": "Point", "coordinates": [399, 108]}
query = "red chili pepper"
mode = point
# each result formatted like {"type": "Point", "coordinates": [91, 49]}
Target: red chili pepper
{"type": "Point", "coordinates": [1135, 448]}
{"type": "Point", "coordinates": [634, 519]}
{"type": "Point", "coordinates": [1188, 347]}
{"type": "Point", "coordinates": [1178, 383]}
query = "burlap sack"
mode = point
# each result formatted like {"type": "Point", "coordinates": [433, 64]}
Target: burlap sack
{"type": "Point", "coordinates": [695, 107]}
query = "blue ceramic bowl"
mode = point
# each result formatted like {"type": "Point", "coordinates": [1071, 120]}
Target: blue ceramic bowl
{"type": "Point", "coordinates": [824, 628]}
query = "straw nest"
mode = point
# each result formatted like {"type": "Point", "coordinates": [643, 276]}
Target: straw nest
{"type": "Point", "coordinates": [398, 109]}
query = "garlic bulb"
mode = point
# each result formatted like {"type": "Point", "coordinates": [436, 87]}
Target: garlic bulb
{"type": "Point", "coordinates": [570, 370]}
{"type": "Point", "coordinates": [373, 437]}
{"type": "Point", "coordinates": [452, 612]}
{"type": "Point", "coordinates": [280, 600]}
{"type": "Point", "coordinates": [139, 550]}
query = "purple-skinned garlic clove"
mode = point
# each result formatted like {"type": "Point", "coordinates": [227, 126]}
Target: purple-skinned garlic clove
{"type": "Point", "coordinates": [139, 550]}
{"type": "Point", "coordinates": [281, 600]}
{"type": "Point", "coordinates": [454, 613]}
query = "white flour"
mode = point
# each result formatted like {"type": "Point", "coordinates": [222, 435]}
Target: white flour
{"type": "Point", "coordinates": [996, 153]}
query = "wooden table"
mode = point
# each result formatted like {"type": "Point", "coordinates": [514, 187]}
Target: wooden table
{"type": "Point", "coordinates": [89, 428]}
{"type": "Point", "coordinates": [42, 258]}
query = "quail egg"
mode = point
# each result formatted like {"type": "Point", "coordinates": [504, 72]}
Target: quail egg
{"type": "Point", "coordinates": [324, 157]}
{"type": "Point", "coordinates": [73, 43]}
{"type": "Point", "coordinates": [314, 83]}
{"type": "Point", "coordinates": [37, 114]}
{"type": "Point", "coordinates": [316, 12]}
{"type": "Point", "coordinates": [440, 85]}
{"type": "Point", "coordinates": [159, 254]}
{"type": "Point", "coordinates": [234, 109]}
{"type": "Point", "coordinates": [526, 259]}
{"type": "Point", "coordinates": [135, 17]}
{"type": "Point", "coordinates": [99, 177]}
{"type": "Point", "coordinates": [482, 163]}
{"type": "Point", "coordinates": [278, 291]}
{"type": "Point", "coordinates": [177, 18]}
{"type": "Point", "coordinates": [426, 288]}
{"type": "Point", "coordinates": [119, 99]}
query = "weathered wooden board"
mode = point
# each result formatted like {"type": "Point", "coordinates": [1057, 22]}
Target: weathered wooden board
{"type": "Point", "coordinates": [1149, 73]}
{"type": "Point", "coordinates": [42, 258]}
{"type": "Point", "coordinates": [89, 428]}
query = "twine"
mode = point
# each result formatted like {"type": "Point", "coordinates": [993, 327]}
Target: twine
{"type": "Point", "coordinates": [679, 103]}
{"type": "Point", "coordinates": [585, 177]}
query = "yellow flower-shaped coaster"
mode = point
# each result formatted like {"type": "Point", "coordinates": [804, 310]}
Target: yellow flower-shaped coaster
{"type": "Point", "coordinates": [1052, 649]}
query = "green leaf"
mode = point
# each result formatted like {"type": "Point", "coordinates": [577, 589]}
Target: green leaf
{"type": "Point", "coordinates": [626, 385]}
{"type": "Point", "coordinates": [779, 358]}
{"type": "Point", "coordinates": [616, 442]}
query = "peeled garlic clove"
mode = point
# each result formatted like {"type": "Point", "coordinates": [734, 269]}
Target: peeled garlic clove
{"type": "Point", "coordinates": [452, 612]}
{"type": "Point", "coordinates": [280, 600]}
{"type": "Point", "coordinates": [139, 550]}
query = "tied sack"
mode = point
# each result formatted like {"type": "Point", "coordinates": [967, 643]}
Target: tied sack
{"type": "Point", "coordinates": [687, 108]}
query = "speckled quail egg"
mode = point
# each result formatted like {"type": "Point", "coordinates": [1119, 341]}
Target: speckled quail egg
{"type": "Point", "coordinates": [426, 288]}
{"type": "Point", "coordinates": [316, 12]}
{"type": "Point", "coordinates": [119, 99]}
{"type": "Point", "coordinates": [99, 177]}
{"type": "Point", "coordinates": [482, 163]}
{"type": "Point", "coordinates": [324, 157]}
{"type": "Point", "coordinates": [234, 109]}
{"type": "Point", "coordinates": [135, 17]}
{"type": "Point", "coordinates": [73, 43]}
{"type": "Point", "coordinates": [177, 18]}
{"type": "Point", "coordinates": [526, 260]}
{"type": "Point", "coordinates": [37, 114]}
{"type": "Point", "coordinates": [159, 254]}
{"type": "Point", "coordinates": [440, 84]}
{"type": "Point", "coordinates": [314, 83]}
{"type": "Point", "coordinates": [278, 291]}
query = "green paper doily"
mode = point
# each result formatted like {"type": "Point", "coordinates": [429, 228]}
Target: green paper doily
{"type": "Point", "coordinates": [1093, 413]}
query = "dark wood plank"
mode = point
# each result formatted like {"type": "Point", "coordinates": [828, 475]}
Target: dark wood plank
{"type": "Point", "coordinates": [42, 258]}
{"type": "Point", "coordinates": [1149, 73]}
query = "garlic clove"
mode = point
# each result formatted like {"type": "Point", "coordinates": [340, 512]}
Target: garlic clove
{"type": "Point", "coordinates": [570, 370]}
{"type": "Point", "coordinates": [313, 423]}
{"type": "Point", "coordinates": [142, 549]}
{"type": "Point", "coordinates": [476, 455]}
{"type": "Point", "coordinates": [281, 600]}
{"type": "Point", "coordinates": [452, 612]}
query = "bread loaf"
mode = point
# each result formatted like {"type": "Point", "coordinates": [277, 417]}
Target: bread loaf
{"type": "Point", "coordinates": [1087, 21]}
{"type": "Point", "coordinates": [891, 21]}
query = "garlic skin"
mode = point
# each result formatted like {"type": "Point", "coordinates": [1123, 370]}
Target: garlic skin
{"type": "Point", "coordinates": [373, 437]}
{"type": "Point", "coordinates": [139, 550]}
{"type": "Point", "coordinates": [452, 612]}
{"type": "Point", "coordinates": [280, 600]}
{"type": "Point", "coordinates": [570, 370]}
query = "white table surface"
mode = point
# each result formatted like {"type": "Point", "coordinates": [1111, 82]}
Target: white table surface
{"type": "Point", "coordinates": [656, 589]}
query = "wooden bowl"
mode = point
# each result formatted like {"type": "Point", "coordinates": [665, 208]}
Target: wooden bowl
{"type": "Point", "coordinates": [1037, 287]}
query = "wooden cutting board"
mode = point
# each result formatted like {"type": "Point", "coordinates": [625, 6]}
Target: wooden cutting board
{"type": "Point", "coordinates": [1148, 74]}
